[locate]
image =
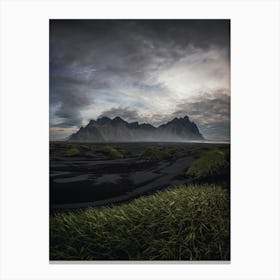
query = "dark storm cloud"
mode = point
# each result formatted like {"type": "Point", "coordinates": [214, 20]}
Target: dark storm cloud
{"type": "Point", "coordinates": [128, 38]}
{"type": "Point", "coordinates": [129, 49]}
{"type": "Point", "coordinates": [69, 96]}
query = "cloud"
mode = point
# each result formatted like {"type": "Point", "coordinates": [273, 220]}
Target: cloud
{"type": "Point", "coordinates": [58, 133]}
{"type": "Point", "coordinates": [72, 90]}
{"type": "Point", "coordinates": [210, 110]}
{"type": "Point", "coordinates": [68, 96]}
{"type": "Point", "coordinates": [137, 68]}
{"type": "Point", "coordinates": [207, 107]}
{"type": "Point", "coordinates": [124, 113]}
{"type": "Point", "coordinates": [131, 50]}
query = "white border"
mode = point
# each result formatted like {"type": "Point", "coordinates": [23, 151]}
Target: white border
{"type": "Point", "coordinates": [254, 128]}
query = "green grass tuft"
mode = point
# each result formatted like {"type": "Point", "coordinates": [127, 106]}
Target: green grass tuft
{"type": "Point", "coordinates": [154, 153]}
{"type": "Point", "coordinates": [73, 152]}
{"type": "Point", "coordinates": [112, 152]}
{"type": "Point", "coordinates": [210, 163]}
{"type": "Point", "coordinates": [184, 223]}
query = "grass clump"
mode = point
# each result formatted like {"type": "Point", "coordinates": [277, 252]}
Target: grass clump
{"type": "Point", "coordinates": [210, 163]}
{"type": "Point", "coordinates": [71, 152]}
{"type": "Point", "coordinates": [70, 145]}
{"type": "Point", "coordinates": [185, 223]}
{"type": "Point", "coordinates": [111, 152]}
{"type": "Point", "coordinates": [154, 153]}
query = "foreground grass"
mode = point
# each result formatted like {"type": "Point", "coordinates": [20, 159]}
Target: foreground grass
{"type": "Point", "coordinates": [185, 223]}
{"type": "Point", "coordinates": [211, 163]}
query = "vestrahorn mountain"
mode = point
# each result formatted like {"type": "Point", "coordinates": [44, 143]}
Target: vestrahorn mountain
{"type": "Point", "coordinates": [118, 130]}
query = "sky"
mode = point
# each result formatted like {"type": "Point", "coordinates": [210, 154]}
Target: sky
{"type": "Point", "coordinates": [149, 71]}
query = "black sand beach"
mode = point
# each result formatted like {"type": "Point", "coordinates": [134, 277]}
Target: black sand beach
{"type": "Point", "coordinates": [92, 178]}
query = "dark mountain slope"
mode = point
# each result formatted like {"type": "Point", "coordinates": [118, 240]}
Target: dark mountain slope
{"type": "Point", "coordinates": [118, 130]}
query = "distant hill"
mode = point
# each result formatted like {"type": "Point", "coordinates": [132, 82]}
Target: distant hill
{"type": "Point", "coordinates": [118, 130]}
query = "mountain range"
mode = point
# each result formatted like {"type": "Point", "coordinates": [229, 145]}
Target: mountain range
{"type": "Point", "coordinates": [118, 130]}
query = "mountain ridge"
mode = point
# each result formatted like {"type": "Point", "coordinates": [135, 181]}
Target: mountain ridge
{"type": "Point", "coordinates": [105, 129]}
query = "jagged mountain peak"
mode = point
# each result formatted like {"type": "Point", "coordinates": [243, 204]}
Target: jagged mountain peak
{"type": "Point", "coordinates": [184, 119]}
{"type": "Point", "coordinates": [103, 120]}
{"type": "Point", "coordinates": [118, 119]}
{"type": "Point", "coordinates": [105, 129]}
